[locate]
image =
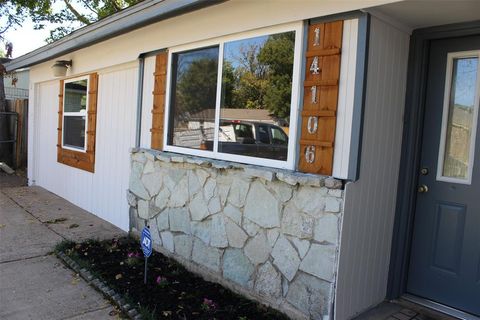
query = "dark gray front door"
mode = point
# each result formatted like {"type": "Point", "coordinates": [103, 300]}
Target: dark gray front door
{"type": "Point", "coordinates": [445, 253]}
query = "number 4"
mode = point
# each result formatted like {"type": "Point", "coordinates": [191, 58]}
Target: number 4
{"type": "Point", "coordinates": [314, 68]}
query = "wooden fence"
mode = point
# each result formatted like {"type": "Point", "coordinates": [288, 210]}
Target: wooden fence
{"type": "Point", "coordinates": [16, 122]}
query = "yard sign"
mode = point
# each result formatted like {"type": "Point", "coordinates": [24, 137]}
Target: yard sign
{"type": "Point", "coordinates": [146, 244]}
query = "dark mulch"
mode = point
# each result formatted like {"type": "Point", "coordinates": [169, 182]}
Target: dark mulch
{"type": "Point", "coordinates": [171, 291]}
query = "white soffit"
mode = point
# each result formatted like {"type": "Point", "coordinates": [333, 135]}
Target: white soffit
{"type": "Point", "coordinates": [428, 13]}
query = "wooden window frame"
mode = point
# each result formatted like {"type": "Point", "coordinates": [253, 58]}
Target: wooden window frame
{"type": "Point", "coordinates": [298, 28]}
{"type": "Point", "coordinates": [77, 158]}
{"type": "Point", "coordinates": [158, 108]}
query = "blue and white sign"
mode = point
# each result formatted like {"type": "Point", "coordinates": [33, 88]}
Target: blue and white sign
{"type": "Point", "coordinates": [146, 242]}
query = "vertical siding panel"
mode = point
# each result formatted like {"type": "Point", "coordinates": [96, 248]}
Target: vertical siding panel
{"type": "Point", "coordinates": [126, 86]}
{"type": "Point", "coordinates": [102, 193]}
{"type": "Point", "coordinates": [381, 124]}
{"type": "Point", "coordinates": [114, 111]}
{"type": "Point", "coordinates": [370, 202]}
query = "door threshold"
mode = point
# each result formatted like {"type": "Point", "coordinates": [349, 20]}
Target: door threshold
{"type": "Point", "coordinates": [439, 307]}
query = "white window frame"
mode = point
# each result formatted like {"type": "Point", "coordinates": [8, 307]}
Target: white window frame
{"type": "Point", "coordinates": [446, 105]}
{"type": "Point", "coordinates": [298, 28]}
{"type": "Point", "coordinates": [77, 114]}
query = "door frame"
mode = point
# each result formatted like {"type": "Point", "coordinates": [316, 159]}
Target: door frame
{"type": "Point", "coordinates": [411, 147]}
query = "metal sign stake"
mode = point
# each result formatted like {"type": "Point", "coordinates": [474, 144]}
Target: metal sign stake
{"type": "Point", "coordinates": [145, 274]}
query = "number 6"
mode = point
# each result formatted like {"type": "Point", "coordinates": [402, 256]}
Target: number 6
{"type": "Point", "coordinates": [310, 154]}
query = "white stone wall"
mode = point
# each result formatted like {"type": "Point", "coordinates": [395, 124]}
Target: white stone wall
{"type": "Point", "coordinates": [268, 233]}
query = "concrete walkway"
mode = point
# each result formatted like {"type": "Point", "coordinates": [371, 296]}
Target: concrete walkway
{"type": "Point", "coordinates": [34, 284]}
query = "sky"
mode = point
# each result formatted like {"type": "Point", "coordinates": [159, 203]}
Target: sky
{"type": "Point", "coordinates": [26, 39]}
{"type": "Point", "coordinates": [466, 81]}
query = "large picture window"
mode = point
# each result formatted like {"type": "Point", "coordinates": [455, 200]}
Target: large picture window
{"type": "Point", "coordinates": [236, 98]}
{"type": "Point", "coordinates": [75, 113]}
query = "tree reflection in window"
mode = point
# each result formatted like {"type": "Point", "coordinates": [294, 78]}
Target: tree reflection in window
{"type": "Point", "coordinates": [194, 90]}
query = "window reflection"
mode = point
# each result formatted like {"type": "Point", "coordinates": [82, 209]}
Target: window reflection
{"type": "Point", "coordinates": [74, 113]}
{"type": "Point", "coordinates": [460, 118]}
{"type": "Point", "coordinates": [74, 132]}
{"type": "Point", "coordinates": [256, 94]}
{"type": "Point", "coordinates": [76, 96]}
{"type": "Point", "coordinates": [194, 89]}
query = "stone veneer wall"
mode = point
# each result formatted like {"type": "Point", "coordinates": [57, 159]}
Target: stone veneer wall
{"type": "Point", "coordinates": [270, 234]}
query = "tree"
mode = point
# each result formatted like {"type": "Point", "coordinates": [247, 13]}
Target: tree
{"type": "Point", "coordinates": [196, 87]}
{"type": "Point", "coordinates": [277, 54]}
{"type": "Point", "coordinates": [262, 76]}
{"type": "Point", "coordinates": [70, 14]}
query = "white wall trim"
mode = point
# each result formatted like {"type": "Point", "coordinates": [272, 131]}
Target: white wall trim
{"type": "Point", "coordinates": [346, 94]}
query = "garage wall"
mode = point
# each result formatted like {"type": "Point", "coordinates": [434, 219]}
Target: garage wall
{"type": "Point", "coordinates": [103, 192]}
{"type": "Point", "coordinates": [370, 202]}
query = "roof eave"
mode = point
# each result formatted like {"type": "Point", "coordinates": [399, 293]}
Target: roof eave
{"type": "Point", "coordinates": [132, 18]}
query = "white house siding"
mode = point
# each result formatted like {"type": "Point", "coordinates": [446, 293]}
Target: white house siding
{"type": "Point", "coordinates": [226, 18]}
{"type": "Point", "coordinates": [103, 192]}
{"type": "Point", "coordinates": [370, 202]}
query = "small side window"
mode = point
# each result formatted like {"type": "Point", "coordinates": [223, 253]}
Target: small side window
{"type": "Point", "coordinates": [77, 119]}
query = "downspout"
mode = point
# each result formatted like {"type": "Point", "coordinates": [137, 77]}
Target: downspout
{"type": "Point", "coordinates": [138, 132]}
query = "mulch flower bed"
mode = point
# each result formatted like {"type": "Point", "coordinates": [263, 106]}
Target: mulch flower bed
{"type": "Point", "coordinates": [171, 291]}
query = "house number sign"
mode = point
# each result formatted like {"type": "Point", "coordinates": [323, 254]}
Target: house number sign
{"type": "Point", "coordinates": [314, 68]}
{"type": "Point", "coordinates": [313, 92]}
{"type": "Point", "coordinates": [316, 38]}
{"type": "Point", "coordinates": [310, 154]}
{"type": "Point", "coordinates": [320, 96]}
{"type": "Point", "coordinates": [312, 124]}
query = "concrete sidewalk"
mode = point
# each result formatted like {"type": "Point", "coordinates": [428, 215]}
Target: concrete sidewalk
{"type": "Point", "coordinates": [34, 284]}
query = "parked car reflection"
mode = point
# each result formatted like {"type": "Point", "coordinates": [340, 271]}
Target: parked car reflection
{"type": "Point", "coordinates": [251, 138]}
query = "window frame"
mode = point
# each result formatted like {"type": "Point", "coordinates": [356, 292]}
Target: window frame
{"type": "Point", "coordinates": [445, 114]}
{"type": "Point", "coordinates": [296, 94]}
{"type": "Point", "coordinates": [76, 114]}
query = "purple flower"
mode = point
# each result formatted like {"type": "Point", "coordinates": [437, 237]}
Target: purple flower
{"type": "Point", "coordinates": [161, 281]}
{"type": "Point", "coordinates": [208, 304]}
{"type": "Point", "coordinates": [134, 255]}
